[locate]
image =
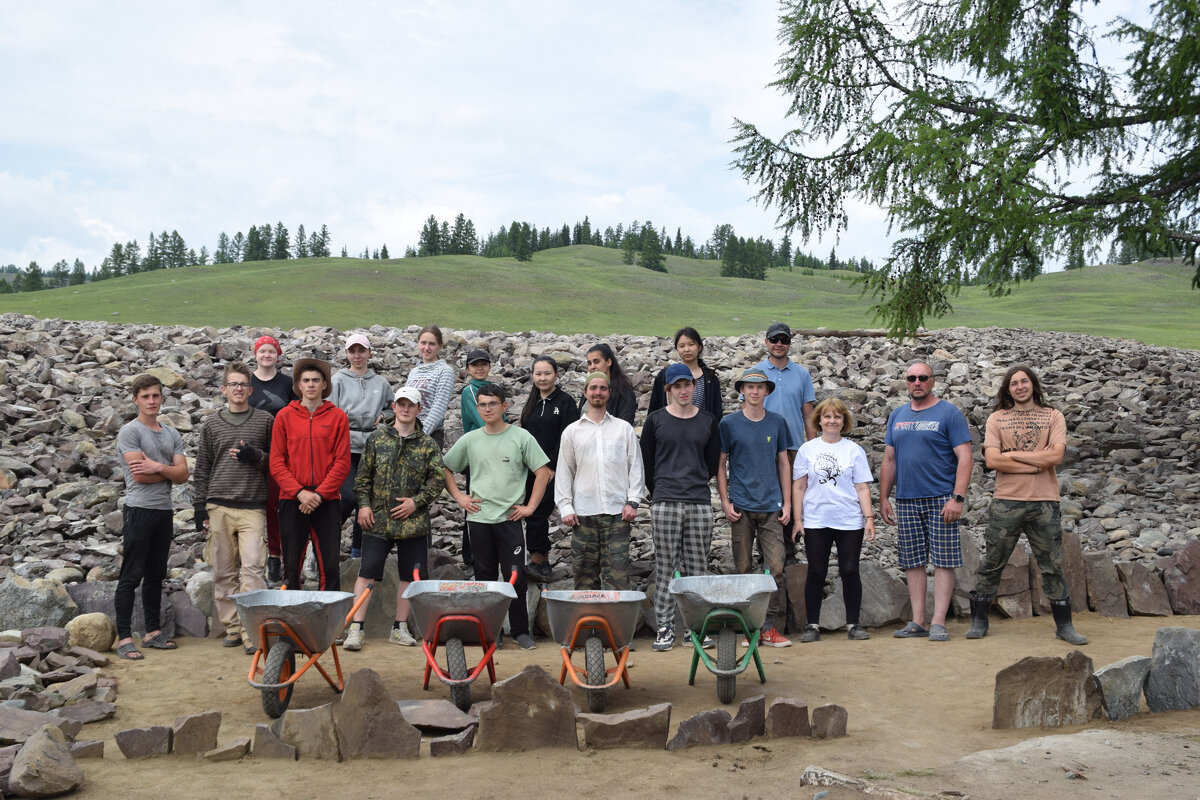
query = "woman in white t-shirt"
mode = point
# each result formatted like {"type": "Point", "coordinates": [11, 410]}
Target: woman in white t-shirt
{"type": "Point", "coordinates": [831, 506]}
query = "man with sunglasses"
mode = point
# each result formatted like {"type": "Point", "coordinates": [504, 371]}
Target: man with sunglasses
{"type": "Point", "coordinates": [230, 492]}
{"type": "Point", "coordinates": [792, 398]}
{"type": "Point", "coordinates": [927, 457]}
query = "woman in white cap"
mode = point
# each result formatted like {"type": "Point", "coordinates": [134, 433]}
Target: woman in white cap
{"type": "Point", "coordinates": [364, 396]}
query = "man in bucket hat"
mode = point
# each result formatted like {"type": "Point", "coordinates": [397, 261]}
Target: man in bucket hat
{"type": "Point", "coordinates": [310, 458]}
{"type": "Point", "coordinates": [754, 481]}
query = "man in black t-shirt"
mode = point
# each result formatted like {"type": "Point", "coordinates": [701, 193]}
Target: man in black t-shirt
{"type": "Point", "coordinates": [681, 446]}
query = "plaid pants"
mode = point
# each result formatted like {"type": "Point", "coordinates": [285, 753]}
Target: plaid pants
{"type": "Point", "coordinates": [682, 533]}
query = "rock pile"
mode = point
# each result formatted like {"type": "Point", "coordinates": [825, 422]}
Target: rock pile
{"type": "Point", "coordinates": [1128, 484]}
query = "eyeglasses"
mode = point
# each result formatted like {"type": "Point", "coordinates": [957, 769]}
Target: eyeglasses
{"type": "Point", "coordinates": [237, 387]}
{"type": "Point", "coordinates": [921, 378]}
{"type": "Point", "coordinates": [488, 406]}
{"type": "Point", "coordinates": [780, 340]}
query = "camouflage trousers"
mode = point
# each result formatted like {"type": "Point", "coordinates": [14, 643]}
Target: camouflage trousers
{"type": "Point", "coordinates": [600, 552]}
{"type": "Point", "coordinates": [1039, 519]}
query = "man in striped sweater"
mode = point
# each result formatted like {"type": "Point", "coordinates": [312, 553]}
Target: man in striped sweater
{"type": "Point", "coordinates": [231, 497]}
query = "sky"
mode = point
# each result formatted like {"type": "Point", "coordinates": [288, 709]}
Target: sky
{"type": "Point", "coordinates": [129, 117]}
{"type": "Point", "coordinates": [125, 118]}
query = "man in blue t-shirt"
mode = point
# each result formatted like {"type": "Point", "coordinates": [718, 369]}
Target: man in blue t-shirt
{"type": "Point", "coordinates": [756, 495]}
{"type": "Point", "coordinates": [927, 457]}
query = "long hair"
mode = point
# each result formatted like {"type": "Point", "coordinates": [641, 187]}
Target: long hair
{"type": "Point", "coordinates": [617, 382]}
{"type": "Point", "coordinates": [534, 392]}
{"type": "Point", "coordinates": [1004, 398]}
{"type": "Point", "coordinates": [692, 334]}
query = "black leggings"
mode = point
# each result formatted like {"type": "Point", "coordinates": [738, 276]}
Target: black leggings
{"type": "Point", "coordinates": [818, 542]}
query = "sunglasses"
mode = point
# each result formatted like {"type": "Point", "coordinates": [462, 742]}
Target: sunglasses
{"type": "Point", "coordinates": [921, 378]}
{"type": "Point", "coordinates": [780, 340]}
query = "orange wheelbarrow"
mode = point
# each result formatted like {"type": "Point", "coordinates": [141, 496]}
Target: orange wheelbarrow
{"type": "Point", "coordinates": [602, 621]}
{"type": "Point", "coordinates": [452, 614]}
{"type": "Point", "coordinates": [280, 623]}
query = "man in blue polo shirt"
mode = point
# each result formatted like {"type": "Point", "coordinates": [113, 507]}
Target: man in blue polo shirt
{"type": "Point", "coordinates": [792, 398]}
{"type": "Point", "coordinates": [927, 457]}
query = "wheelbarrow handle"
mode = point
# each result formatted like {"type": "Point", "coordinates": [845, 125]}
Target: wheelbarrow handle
{"type": "Point", "coordinates": [362, 598]}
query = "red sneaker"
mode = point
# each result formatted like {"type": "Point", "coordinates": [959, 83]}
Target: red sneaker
{"type": "Point", "coordinates": [773, 638]}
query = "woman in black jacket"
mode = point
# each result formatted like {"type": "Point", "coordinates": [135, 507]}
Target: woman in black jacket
{"type": "Point", "coordinates": [622, 402]}
{"type": "Point", "coordinates": [548, 411]}
{"type": "Point", "coordinates": [707, 397]}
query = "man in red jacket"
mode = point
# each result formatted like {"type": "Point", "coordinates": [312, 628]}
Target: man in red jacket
{"type": "Point", "coordinates": [310, 457]}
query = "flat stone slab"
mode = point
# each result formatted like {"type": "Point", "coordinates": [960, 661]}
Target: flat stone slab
{"type": "Point", "coordinates": [369, 723]}
{"type": "Point", "coordinates": [1046, 692]}
{"type": "Point", "coordinates": [829, 721]}
{"type": "Point", "coordinates": [86, 711]}
{"type": "Point", "coordinates": [528, 711]}
{"type": "Point", "coordinates": [750, 721]}
{"type": "Point", "coordinates": [1145, 594]}
{"type": "Point", "coordinates": [144, 742]}
{"type": "Point", "coordinates": [1121, 686]}
{"type": "Point", "coordinates": [311, 731]}
{"type": "Point", "coordinates": [233, 751]}
{"type": "Point", "coordinates": [434, 715]}
{"type": "Point", "coordinates": [705, 728]}
{"type": "Point", "coordinates": [643, 727]}
{"type": "Point", "coordinates": [1106, 595]}
{"type": "Point", "coordinates": [268, 745]}
{"type": "Point", "coordinates": [1174, 679]}
{"type": "Point", "coordinates": [1181, 576]}
{"type": "Point", "coordinates": [787, 716]}
{"type": "Point", "coordinates": [196, 733]}
{"type": "Point", "coordinates": [17, 725]}
{"type": "Point", "coordinates": [89, 749]}
{"type": "Point", "coordinates": [453, 745]}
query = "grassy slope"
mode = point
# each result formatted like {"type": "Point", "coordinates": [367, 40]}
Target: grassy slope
{"type": "Point", "coordinates": [588, 289]}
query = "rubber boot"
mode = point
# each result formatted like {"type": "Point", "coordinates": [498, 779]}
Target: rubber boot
{"type": "Point", "coordinates": [980, 605]}
{"type": "Point", "coordinates": [1061, 609]}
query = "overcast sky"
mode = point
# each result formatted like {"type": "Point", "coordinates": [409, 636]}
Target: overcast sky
{"type": "Point", "coordinates": [122, 118]}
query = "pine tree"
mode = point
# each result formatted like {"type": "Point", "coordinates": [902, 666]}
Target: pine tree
{"type": "Point", "coordinates": [429, 242]}
{"type": "Point", "coordinates": [221, 254]}
{"type": "Point", "coordinates": [237, 247]}
{"type": "Point", "coordinates": [321, 250]}
{"type": "Point", "coordinates": [203, 255]}
{"type": "Point", "coordinates": [585, 231]}
{"type": "Point", "coordinates": [629, 247]}
{"type": "Point", "coordinates": [58, 274]}
{"type": "Point", "coordinates": [785, 252]}
{"type": "Point", "coordinates": [32, 280]}
{"type": "Point", "coordinates": [384, 253]}
{"type": "Point", "coordinates": [650, 255]}
{"type": "Point", "coordinates": [281, 246]}
{"type": "Point", "coordinates": [301, 247]}
{"type": "Point", "coordinates": [345, 253]}
{"type": "Point", "coordinates": [78, 274]}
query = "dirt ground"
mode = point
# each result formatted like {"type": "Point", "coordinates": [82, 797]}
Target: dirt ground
{"type": "Point", "coordinates": [919, 725]}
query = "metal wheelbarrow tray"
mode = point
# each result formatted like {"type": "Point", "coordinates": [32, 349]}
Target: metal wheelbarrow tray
{"type": "Point", "coordinates": [278, 623]}
{"type": "Point", "coordinates": [725, 605]}
{"type": "Point", "coordinates": [601, 620]}
{"type": "Point", "coordinates": [451, 614]}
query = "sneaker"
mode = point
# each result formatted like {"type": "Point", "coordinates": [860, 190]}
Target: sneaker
{"type": "Point", "coordinates": [526, 642]}
{"type": "Point", "coordinates": [664, 641]}
{"type": "Point", "coordinates": [274, 570]}
{"type": "Point", "coordinates": [232, 640]}
{"type": "Point", "coordinates": [538, 573]}
{"type": "Point", "coordinates": [811, 633]}
{"type": "Point", "coordinates": [707, 643]}
{"type": "Point", "coordinates": [400, 635]}
{"type": "Point", "coordinates": [857, 632]}
{"type": "Point", "coordinates": [354, 639]}
{"type": "Point", "coordinates": [773, 638]}
{"type": "Point", "coordinates": [310, 567]}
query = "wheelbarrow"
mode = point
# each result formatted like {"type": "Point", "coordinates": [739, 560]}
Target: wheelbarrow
{"type": "Point", "coordinates": [601, 620]}
{"type": "Point", "coordinates": [279, 623]}
{"type": "Point", "coordinates": [452, 614]}
{"type": "Point", "coordinates": [723, 606]}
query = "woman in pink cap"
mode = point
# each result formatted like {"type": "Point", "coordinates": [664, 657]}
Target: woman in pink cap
{"type": "Point", "coordinates": [272, 390]}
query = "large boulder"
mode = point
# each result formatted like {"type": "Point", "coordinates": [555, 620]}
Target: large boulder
{"type": "Point", "coordinates": [94, 630]}
{"type": "Point", "coordinates": [1174, 679]}
{"type": "Point", "coordinates": [1144, 592]}
{"type": "Point", "coordinates": [528, 711]}
{"type": "Point", "coordinates": [369, 723]}
{"type": "Point", "coordinates": [44, 767]}
{"type": "Point", "coordinates": [1106, 595]}
{"type": "Point", "coordinates": [884, 599]}
{"type": "Point", "coordinates": [1181, 577]}
{"type": "Point", "coordinates": [34, 603]}
{"type": "Point", "coordinates": [1121, 685]}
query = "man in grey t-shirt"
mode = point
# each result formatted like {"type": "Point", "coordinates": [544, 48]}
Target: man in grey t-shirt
{"type": "Point", "coordinates": [151, 461]}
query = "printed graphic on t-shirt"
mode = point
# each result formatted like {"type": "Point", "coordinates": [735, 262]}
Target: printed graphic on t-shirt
{"type": "Point", "coordinates": [827, 468]}
{"type": "Point", "coordinates": [1025, 429]}
{"type": "Point", "coordinates": [917, 425]}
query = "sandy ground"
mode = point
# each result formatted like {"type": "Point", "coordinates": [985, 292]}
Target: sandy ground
{"type": "Point", "coordinates": [919, 723]}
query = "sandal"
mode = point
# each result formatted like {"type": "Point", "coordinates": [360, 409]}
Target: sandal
{"type": "Point", "coordinates": [912, 631]}
{"type": "Point", "coordinates": [159, 642]}
{"type": "Point", "coordinates": [129, 652]}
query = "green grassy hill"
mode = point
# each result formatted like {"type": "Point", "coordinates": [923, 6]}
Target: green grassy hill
{"type": "Point", "coordinates": [587, 289]}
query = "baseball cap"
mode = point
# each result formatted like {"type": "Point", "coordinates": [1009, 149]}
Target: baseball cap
{"type": "Point", "coordinates": [409, 393]}
{"type": "Point", "coordinates": [357, 338]}
{"type": "Point", "coordinates": [677, 372]}
{"type": "Point", "coordinates": [779, 329]}
{"type": "Point", "coordinates": [478, 355]}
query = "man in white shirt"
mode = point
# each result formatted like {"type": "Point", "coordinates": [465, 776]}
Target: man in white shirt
{"type": "Point", "coordinates": [599, 482]}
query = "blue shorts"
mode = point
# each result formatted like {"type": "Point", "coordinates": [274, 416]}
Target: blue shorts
{"type": "Point", "coordinates": [924, 537]}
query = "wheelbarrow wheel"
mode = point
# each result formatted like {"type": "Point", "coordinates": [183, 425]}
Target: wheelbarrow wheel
{"type": "Point", "coordinates": [593, 652]}
{"type": "Point", "coordinates": [726, 659]}
{"type": "Point", "coordinates": [281, 663]}
{"type": "Point", "coordinates": [456, 664]}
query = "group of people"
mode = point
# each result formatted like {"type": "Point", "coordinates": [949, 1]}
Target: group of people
{"type": "Point", "coordinates": [286, 461]}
